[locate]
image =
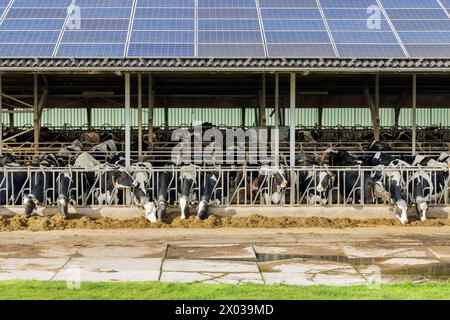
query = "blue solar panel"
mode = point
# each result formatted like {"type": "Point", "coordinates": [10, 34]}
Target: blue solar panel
{"type": "Point", "coordinates": [229, 29]}
{"type": "Point", "coordinates": [423, 26]}
{"type": "Point", "coordinates": [32, 28]}
{"type": "Point", "coordinates": [225, 28]}
{"type": "Point", "coordinates": [295, 28]}
{"type": "Point", "coordinates": [163, 28]}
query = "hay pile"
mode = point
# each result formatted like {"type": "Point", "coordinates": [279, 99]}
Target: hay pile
{"type": "Point", "coordinates": [37, 223]}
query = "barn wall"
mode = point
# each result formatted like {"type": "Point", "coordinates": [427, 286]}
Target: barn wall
{"type": "Point", "coordinates": [77, 117]}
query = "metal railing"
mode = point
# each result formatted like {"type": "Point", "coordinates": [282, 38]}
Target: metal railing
{"type": "Point", "coordinates": [234, 186]}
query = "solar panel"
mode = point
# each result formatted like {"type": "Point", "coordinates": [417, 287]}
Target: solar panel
{"type": "Point", "coordinates": [295, 29]}
{"type": "Point", "coordinates": [360, 29]}
{"type": "Point", "coordinates": [229, 29]}
{"type": "Point", "coordinates": [102, 30]}
{"type": "Point", "coordinates": [423, 26]}
{"type": "Point", "coordinates": [31, 28]}
{"type": "Point", "coordinates": [163, 28]}
{"type": "Point", "coordinates": [225, 28]}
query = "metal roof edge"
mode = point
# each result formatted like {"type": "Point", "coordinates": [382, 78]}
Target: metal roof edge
{"type": "Point", "coordinates": [224, 64]}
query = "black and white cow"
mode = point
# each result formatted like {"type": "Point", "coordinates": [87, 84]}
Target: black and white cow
{"type": "Point", "coordinates": [104, 150]}
{"type": "Point", "coordinates": [354, 184]}
{"type": "Point", "coordinates": [188, 179]}
{"type": "Point", "coordinates": [272, 182]}
{"type": "Point", "coordinates": [445, 158]}
{"type": "Point", "coordinates": [315, 183]}
{"type": "Point", "coordinates": [76, 185]}
{"type": "Point", "coordinates": [43, 183]}
{"type": "Point", "coordinates": [12, 180]}
{"type": "Point", "coordinates": [428, 184]}
{"type": "Point", "coordinates": [389, 182]}
{"type": "Point", "coordinates": [210, 185]}
{"type": "Point", "coordinates": [142, 174]}
{"type": "Point", "coordinates": [75, 149]}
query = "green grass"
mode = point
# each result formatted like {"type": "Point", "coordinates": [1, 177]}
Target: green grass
{"type": "Point", "coordinates": [35, 290]}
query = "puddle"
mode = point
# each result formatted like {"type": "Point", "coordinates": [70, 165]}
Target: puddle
{"type": "Point", "coordinates": [266, 257]}
{"type": "Point", "coordinates": [436, 271]}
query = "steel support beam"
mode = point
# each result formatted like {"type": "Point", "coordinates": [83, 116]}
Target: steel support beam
{"type": "Point", "coordinates": [151, 110]}
{"type": "Point", "coordinates": [293, 123]}
{"type": "Point", "coordinates": [140, 131]}
{"type": "Point", "coordinates": [293, 95]}
{"type": "Point", "coordinates": [414, 115]}
{"type": "Point", "coordinates": [127, 120]}
{"type": "Point", "coordinates": [37, 120]}
{"type": "Point", "coordinates": [1, 117]}
{"type": "Point", "coordinates": [263, 103]}
{"type": "Point", "coordinates": [276, 136]}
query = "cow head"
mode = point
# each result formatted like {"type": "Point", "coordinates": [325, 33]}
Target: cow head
{"type": "Point", "coordinates": [161, 209]}
{"type": "Point", "coordinates": [184, 206]}
{"type": "Point", "coordinates": [422, 208]}
{"type": "Point", "coordinates": [30, 202]}
{"type": "Point", "coordinates": [402, 209]}
{"type": "Point", "coordinates": [281, 184]}
{"type": "Point", "coordinates": [122, 179]}
{"type": "Point", "coordinates": [63, 206]}
{"type": "Point", "coordinates": [202, 211]}
{"type": "Point", "coordinates": [325, 181]}
{"type": "Point", "coordinates": [151, 212]}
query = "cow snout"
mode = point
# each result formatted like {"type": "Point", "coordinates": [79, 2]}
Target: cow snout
{"type": "Point", "coordinates": [320, 189]}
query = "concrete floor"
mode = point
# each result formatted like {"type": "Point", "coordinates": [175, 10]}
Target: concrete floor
{"type": "Point", "coordinates": [293, 256]}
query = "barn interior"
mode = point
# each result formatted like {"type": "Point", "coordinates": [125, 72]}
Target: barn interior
{"type": "Point", "coordinates": [42, 112]}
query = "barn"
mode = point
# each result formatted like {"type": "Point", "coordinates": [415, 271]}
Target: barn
{"type": "Point", "coordinates": [324, 74]}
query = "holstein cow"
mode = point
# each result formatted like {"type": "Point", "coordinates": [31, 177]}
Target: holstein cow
{"type": "Point", "coordinates": [389, 182]}
{"type": "Point", "coordinates": [73, 184]}
{"type": "Point", "coordinates": [355, 184]}
{"type": "Point", "coordinates": [165, 182]}
{"type": "Point", "coordinates": [272, 182]}
{"type": "Point", "coordinates": [104, 150]}
{"type": "Point", "coordinates": [43, 183]}
{"type": "Point", "coordinates": [142, 174]}
{"type": "Point", "coordinates": [314, 183]}
{"type": "Point", "coordinates": [213, 189]}
{"type": "Point", "coordinates": [13, 183]}
{"type": "Point", "coordinates": [428, 184]}
{"type": "Point", "coordinates": [188, 177]}
{"type": "Point", "coordinates": [74, 149]}
{"type": "Point", "coordinates": [444, 157]}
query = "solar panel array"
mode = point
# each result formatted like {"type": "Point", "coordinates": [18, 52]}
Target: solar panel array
{"type": "Point", "coordinates": [225, 28]}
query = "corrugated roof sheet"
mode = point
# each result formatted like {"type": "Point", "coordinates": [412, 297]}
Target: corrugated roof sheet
{"type": "Point", "coordinates": [218, 64]}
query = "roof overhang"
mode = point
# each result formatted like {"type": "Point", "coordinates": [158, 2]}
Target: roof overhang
{"type": "Point", "coordinates": [234, 65]}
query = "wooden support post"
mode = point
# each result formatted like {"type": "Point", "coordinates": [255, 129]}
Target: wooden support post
{"type": "Point", "coordinates": [127, 119]}
{"type": "Point", "coordinates": [166, 118]}
{"type": "Point", "coordinates": [89, 115]}
{"type": "Point", "coordinates": [151, 111]}
{"type": "Point", "coordinates": [414, 115]}
{"type": "Point", "coordinates": [320, 117]}
{"type": "Point", "coordinates": [263, 103]}
{"type": "Point", "coordinates": [374, 114]}
{"type": "Point", "coordinates": [243, 118]}
{"type": "Point", "coordinates": [140, 131]}
{"type": "Point", "coordinates": [377, 108]}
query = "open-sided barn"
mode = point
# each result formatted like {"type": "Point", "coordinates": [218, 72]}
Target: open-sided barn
{"type": "Point", "coordinates": [327, 73]}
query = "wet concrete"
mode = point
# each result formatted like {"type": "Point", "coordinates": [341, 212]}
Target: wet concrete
{"type": "Point", "coordinates": [297, 256]}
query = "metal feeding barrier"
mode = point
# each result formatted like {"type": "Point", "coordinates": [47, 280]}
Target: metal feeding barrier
{"type": "Point", "coordinates": [233, 186]}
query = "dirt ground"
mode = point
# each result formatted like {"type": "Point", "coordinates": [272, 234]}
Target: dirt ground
{"type": "Point", "coordinates": [38, 223]}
